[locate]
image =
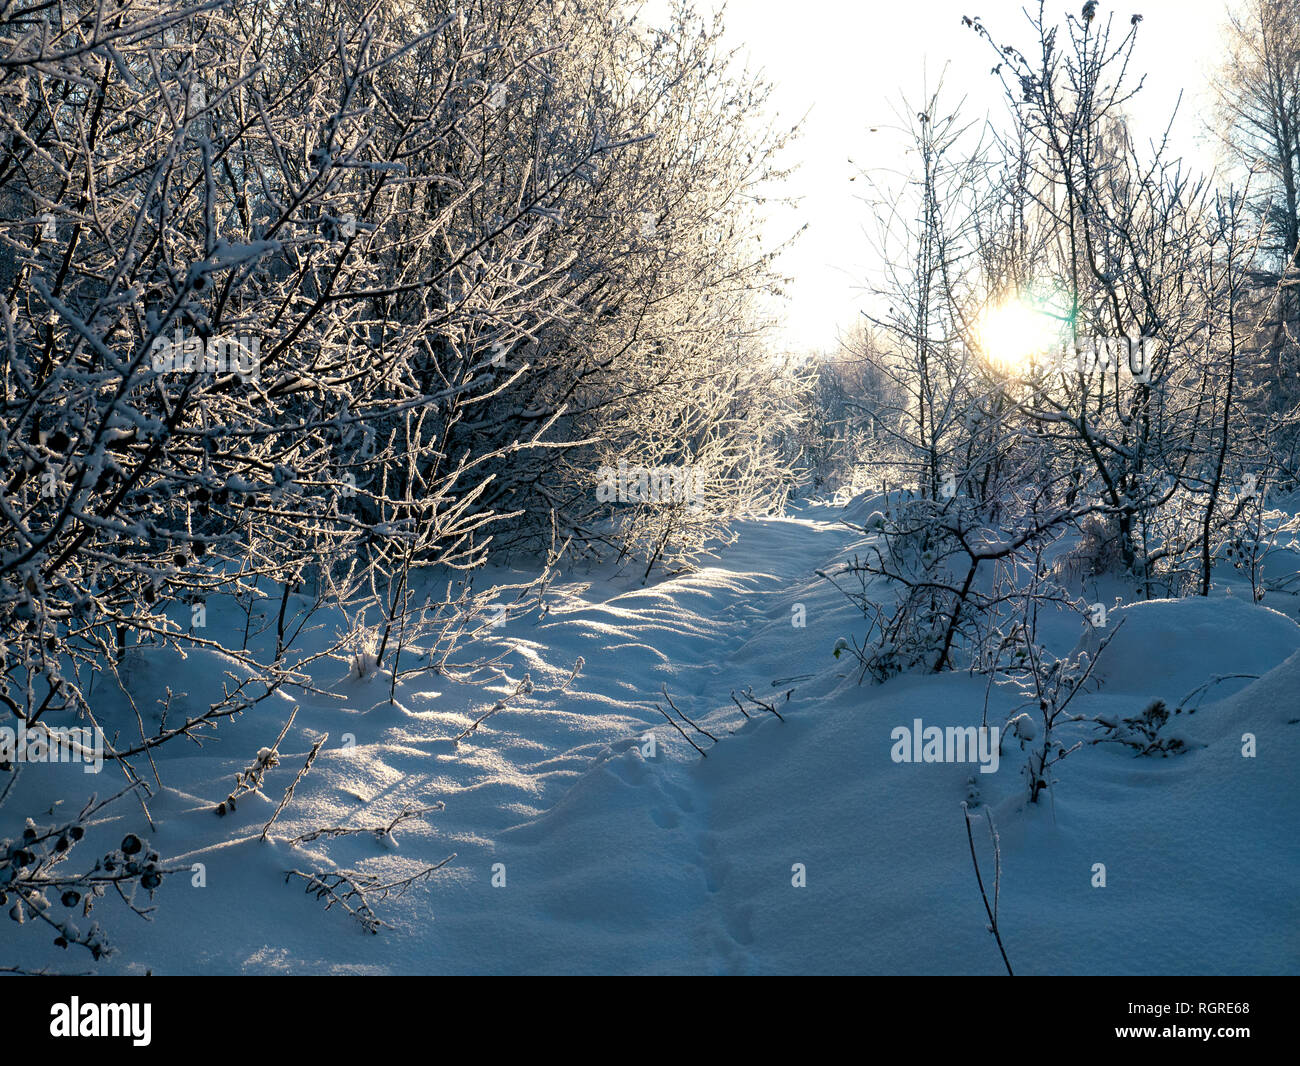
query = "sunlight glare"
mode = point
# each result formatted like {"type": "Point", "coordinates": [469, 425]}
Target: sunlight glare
{"type": "Point", "coordinates": [1012, 332]}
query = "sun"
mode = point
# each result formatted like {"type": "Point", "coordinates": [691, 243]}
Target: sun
{"type": "Point", "coordinates": [1012, 332]}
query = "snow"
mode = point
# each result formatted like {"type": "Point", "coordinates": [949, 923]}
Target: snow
{"type": "Point", "coordinates": [608, 858]}
{"type": "Point", "coordinates": [1195, 638]}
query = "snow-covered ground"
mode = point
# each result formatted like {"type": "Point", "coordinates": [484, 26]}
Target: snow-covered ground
{"type": "Point", "coordinates": [577, 851]}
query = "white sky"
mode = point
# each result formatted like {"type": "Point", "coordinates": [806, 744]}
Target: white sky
{"type": "Point", "coordinates": [846, 63]}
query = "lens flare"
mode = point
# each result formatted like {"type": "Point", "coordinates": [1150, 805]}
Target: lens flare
{"type": "Point", "coordinates": [1011, 333]}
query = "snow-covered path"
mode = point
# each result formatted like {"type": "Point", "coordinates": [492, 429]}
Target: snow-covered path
{"type": "Point", "coordinates": [631, 868]}
{"type": "Point", "coordinates": [577, 850]}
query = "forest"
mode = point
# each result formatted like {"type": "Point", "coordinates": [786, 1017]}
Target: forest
{"type": "Point", "coordinates": [398, 446]}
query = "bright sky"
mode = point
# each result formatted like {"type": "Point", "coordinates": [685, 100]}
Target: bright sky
{"type": "Point", "coordinates": [846, 64]}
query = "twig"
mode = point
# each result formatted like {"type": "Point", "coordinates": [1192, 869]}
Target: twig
{"type": "Point", "coordinates": [685, 719]}
{"type": "Point", "coordinates": [1216, 679]}
{"type": "Point", "coordinates": [250, 779]}
{"type": "Point", "coordinates": [680, 730]}
{"type": "Point", "coordinates": [353, 891]}
{"type": "Point", "coordinates": [380, 831]}
{"type": "Point", "coordinates": [288, 792]}
{"type": "Point", "coordinates": [748, 693]}
{"type": "Point", "coordinates": [992, 912]}
{"type": "Point", "coordinates": [524, 688]}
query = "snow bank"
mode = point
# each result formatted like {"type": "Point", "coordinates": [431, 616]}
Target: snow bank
{"type": "Point", "coordinates": [1168, 644]}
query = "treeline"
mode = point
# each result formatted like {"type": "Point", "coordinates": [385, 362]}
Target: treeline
{"type": "Point", "coordinates": [298, 296]}
{"type": "Point", "coordinates": [293, 290]}
{"type": "Point", "coordinates": [1020, 250]}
